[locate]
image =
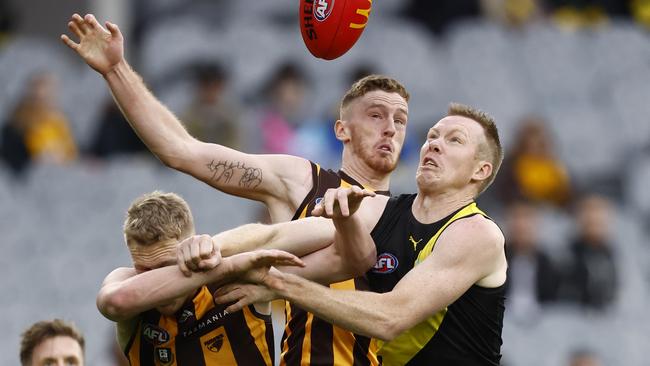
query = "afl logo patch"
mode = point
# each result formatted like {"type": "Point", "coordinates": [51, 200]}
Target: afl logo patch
{"type": "Point", "coordinates": [323, 9]}
{"type": "Point", "coordinates": [155, 335]}
{"type": "Point", "coordinates": [386, 263]}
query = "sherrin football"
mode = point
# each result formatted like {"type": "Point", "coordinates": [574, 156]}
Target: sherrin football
{"type": "Point", "coordinates": [331, 27]}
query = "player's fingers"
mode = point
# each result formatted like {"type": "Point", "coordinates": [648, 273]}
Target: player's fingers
{"type": "Point", "coordinates": [114, 29]}
{"type": "Point", "coordinates": [93, 23]}
{"type": "Point", "coordinates": [368, 193]}
{"type": "Point", "coordinates": [207, 248]}
{"type": "Point", "coordinates": [236, 306]}
{"type": "Point", "coordinates": [342, 199]}
{"type": "Point", "coordinates": [328, 202]}
{"type": "Point", "coordinates": [228, 293]}
{"type": "Point", "coordinates": [68, 42]}
{"type": "Point", "coordinates": [195, 249]}
{"type": "Point", "coordinates": [227, 288]}
{"type": "Point", "coordinates": [187, 258]}
{"type": "Point", "coordinates": [282, 258]}
{"type": "Point", "coordinates": [81, 23]}
{"type": "Point", "coordinates": [207, 264]}
{"type": "Point", "coordinates": [181, 263]}
{"type": "Point", "coordinates": [318, 209]}
{"type": "Point", "coordinates": [74, 28]}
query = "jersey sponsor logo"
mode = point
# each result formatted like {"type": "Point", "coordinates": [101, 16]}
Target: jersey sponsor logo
{"type": "Point", "coordinates": [215, 344]}
{"type": "Point", "coordinates": [323, 9]}
{"type": "Point", "coordinates": [386, 263]}
{"type": "Point", "coordinates": [415, 243]}
{"type": "Point", "coordinates": [164, 356]}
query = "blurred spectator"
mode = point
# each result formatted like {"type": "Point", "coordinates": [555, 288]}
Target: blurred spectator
{"type": "Point", "coordinates": [583, 357]}
{"type": "Point", "coordinates": [53, 342]}
{"type": "Point", "coordinates": [438, 15]}
{"type": "Point", "coordinates": [114, 135]}
{"type": "Point", "coordinates": [532, 277]}
{"type": "Point", "coordinates": [38, 127]}
{"type": "Point", "coordinates": [7, 20]}
{"type": "Point", "coordinates": [585, 13]}
{"type": "Point", "coordinates": [514, 13]}
{"type": "Point", "coordinates": [591, 278]}
{"type": "Point", "coordinates": [640, 10]}
{"type": "Point", "coordinates": [212, 116]}
{"type": "Point", "coordinates": [531, 170]}
{"type": "Point", "coordinates": [283, 109]}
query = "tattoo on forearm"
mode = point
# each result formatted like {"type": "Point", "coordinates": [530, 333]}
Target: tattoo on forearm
{"type": "Point", "coordinates": [223, 171]}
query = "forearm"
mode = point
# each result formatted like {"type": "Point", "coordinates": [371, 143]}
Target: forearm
{"type": "Point", "coordinates": [297, 237]}
{"type": "Point", "coordinates": [158, 128]}
{"type": "Point", "coordinates": [361, 312]}
{"type": "Point", "coordinates": [354, 245]}
{"type": "Point", "coordinates": [127, 298]}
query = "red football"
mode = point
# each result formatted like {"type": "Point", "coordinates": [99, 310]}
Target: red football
{"type": "Point", "coordinates": [331, 27]}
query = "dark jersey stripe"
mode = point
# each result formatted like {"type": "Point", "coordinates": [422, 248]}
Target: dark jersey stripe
{"type": "Point", "coordinates": [146, 347]}
{"type": "Point", "coordinates": [321, 337]}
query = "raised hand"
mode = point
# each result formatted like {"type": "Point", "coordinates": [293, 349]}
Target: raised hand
{"type": "Point", "coordinates": [101, 48]}
{"type": "Point", "coordinates": [255, 266]}
{"type": "Point", "coordinates": [341, 202]}
{"type": "Point", "coordinates": [198, 253]}
{"type": "Point", "coordinates": [242, 294]}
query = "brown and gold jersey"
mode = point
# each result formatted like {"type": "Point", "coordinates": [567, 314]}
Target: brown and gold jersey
{"type": "Point", "coordinates": [308, 340]}
{"type": "Point", "coordinates": [202, 333]}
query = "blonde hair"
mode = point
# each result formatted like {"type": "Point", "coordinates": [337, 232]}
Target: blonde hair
{"type": "Point", "coordinates": [158, 216]}
{"type": "Point", "coordinates": [493, 151]}
{"type": "Point", "coordinates": [371, 83]}
{"type": "Point", "coordinates": [44, 330]}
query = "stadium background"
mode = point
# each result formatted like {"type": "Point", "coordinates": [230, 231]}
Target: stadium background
{"type": "Point", "coordinates": [583, 67]}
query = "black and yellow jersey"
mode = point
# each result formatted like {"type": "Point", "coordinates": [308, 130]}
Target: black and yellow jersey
{"type": "Point", "coordinates": [202, 333]}
{"type": "Point", "coordinates": [468, 331]}
{"type": "Point", "coordinates": [308, 340]}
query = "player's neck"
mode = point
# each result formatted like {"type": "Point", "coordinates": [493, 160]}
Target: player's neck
{"type": "Point", "coordinates": [367, 176]}
{"type": "Point", "coordinates": [430, 207]}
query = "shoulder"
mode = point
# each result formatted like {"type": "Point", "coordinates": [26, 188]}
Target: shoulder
{"type": "Point", "coordinates": [475, 232]}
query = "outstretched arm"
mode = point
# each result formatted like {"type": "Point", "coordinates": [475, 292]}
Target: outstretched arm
{"type": "Point", "coordinates": [259, 177]}
{"type": "Point", "coordinates": [467, 254]}
{"type": "Point", "coordinates": [126, 293]}
{"type": "Point", "coordinates": [311, 238]}
{"type": "Point", "coordinates": [199, 252]}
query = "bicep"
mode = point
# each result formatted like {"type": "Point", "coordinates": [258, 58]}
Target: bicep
{"type": "Point", "coordinates": [460, 259]}
{"type": "Point", "coordinates": [253, 176]}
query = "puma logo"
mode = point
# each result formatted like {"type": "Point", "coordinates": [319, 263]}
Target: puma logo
{"type": "Point", "coordinates": [415, 243]}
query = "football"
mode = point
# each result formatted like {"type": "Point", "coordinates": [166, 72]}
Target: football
{"type": "Point", "coordinates": [331, 27]}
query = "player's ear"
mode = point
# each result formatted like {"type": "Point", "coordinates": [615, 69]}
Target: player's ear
{"type": "Point", "coordinates": [483, 170]}
{"type": "Point", "coordinates": [341, 130]}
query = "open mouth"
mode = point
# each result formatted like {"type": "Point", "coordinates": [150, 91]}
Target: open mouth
{"type": "Point", "coordinates": [385, 147]}
{"type": "Point", "coordinates": [429, 162]}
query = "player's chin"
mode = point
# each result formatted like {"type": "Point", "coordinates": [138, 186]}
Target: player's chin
{"type": "Point", "coordinates": [384, 164]}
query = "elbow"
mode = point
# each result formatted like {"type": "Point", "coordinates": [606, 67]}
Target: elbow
{"type": "Point", "coordinates": [114, 305]}
{"type": "Point", "coordinates": [362, 266]}
{"type": "Point", "coordinates": [389, 328]}
{"type": "Point", "coordinates": [177, 154]}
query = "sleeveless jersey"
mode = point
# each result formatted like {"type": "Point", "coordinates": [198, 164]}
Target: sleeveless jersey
{"type": "Point", "coordinates": [309, 340]}
{"type": "Point", "coordinates": [202, 333]}
{"type": "Point", "coordinates": [468, 331]}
